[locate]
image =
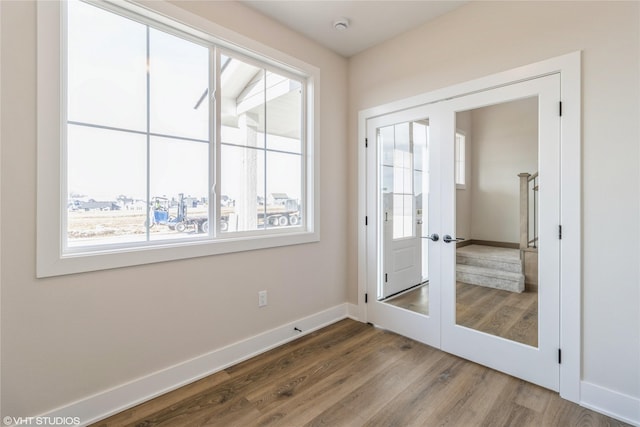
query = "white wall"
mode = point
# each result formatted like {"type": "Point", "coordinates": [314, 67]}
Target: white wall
{"type": "Point", "coordinates": [505, 142]}
{"type": "Point", "coordinates": [66, 338]}
{"type": "Point", "coordinates": [482, 38]}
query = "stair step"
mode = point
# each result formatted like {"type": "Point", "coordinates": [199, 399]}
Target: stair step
{"type": "Point", "coordinates": [490, 257]}
{"type": "Point", "coordinates": [490, 277]}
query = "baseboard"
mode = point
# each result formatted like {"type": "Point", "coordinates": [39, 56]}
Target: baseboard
{"type": "Point", "coordinates": [508, 245]}
{"type": "Point", "coordinates": [109, 402]}
{"type": "Point", "coordinates": [101, 405]}
{"type": "Point", "coordinates": [616, 405]}
{"type": "Point", "coordinates": [353, 311]}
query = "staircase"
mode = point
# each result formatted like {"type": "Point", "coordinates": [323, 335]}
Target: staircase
{"type": "Point", "coordinates": [498, 268]}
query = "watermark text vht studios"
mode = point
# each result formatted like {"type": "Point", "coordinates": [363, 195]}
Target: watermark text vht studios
{"type": "Point", "coordinates": [41, 421]}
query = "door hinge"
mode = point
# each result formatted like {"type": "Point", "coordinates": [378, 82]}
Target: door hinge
{"type": "Point", "coordinates": [560, 108]}
{"type": "Point", "coordinates": [366, 298]}
{"type": "Point", "coordinates": [560, 232]}
{"type": "Point", "coordinates": [366, 220]}
{"type": "Point", "coordinates": [386, 277]}
{"type": "Point", "coordinates": [366, 143]}
{"type": "Point", "coordinates": [559, 356]}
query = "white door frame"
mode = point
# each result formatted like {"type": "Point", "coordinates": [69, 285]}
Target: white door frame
{"type": "Point", "coordinates": [569, 68]}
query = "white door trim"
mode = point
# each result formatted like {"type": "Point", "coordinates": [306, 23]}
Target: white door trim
{"type": "Point", "coordinates": [569, 67]}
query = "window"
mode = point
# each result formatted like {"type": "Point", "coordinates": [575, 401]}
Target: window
{"type": "Point", "coordinates": [261, 148]}
{"type": "Point", "coordinates": [460, 166]}
{"type": "Point", "coordinates": [137, 163]}
{"type": "Point", "coordinates": [403, 151]}
{"type": "Point", "coordinates": [172, 143]}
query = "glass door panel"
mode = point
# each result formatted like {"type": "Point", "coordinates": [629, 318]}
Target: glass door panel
{"type": "Point", "coordinates": [401, 246]}
{"type": "Point", "coordinates": [402, 297]}
{"type": "Point", "coordinates": [492, 293]}
{"type": "Point", "coordinates": [499, 307]}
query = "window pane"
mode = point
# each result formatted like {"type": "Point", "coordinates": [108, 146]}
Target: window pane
{"type": "Point", "coordinates": [284, 113]}
{"type": "Point", "coordinates": [398, 216]}
{"type": "Point", "coordinates": [402, 172]}
{"type": "Point", "coordinates": [417, 187]}
{"type": "Point", "coordinates": [403, 216]}
{"type": "Point", "coordinates": [419, 144]}
{"type": "Point", "coordinates": [242, 103]}
{"type": "Point", "coordinates": [242, 196]}
{"type": "Point", "coordinates": [179, 182]}
{"type": "Point", "coordinates": [387, 179]}
{"type": "Point", "coordinates": [387, 142]}
{"type": "Point", "coordinates": [106, 176]}
{"type": "Point", "coordinates": [408, 214]}
{"type": "Point", "coordinates": [284, 176]}
{"type": "Point", "coordinates": [402, 137]}
{"type": "Point", "coordinates": [106, 68]}
{"type": "Point", "coordinates": [179, 82]}
{"type": "Point", "coordinates": [403, 191]}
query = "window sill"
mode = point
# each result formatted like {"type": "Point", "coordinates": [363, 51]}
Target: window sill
{"type": "Point", "coordinates": [132, 256]}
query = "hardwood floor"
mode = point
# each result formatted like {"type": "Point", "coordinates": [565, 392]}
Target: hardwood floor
{"type": "Point", "coordinates": [417, 299]}
{"type": "Point", "coordinates": [352, 374]}
{"type": "Point", "coordinates": [509, 315]}
{"type": "Point", "coordinates": [505, 314]}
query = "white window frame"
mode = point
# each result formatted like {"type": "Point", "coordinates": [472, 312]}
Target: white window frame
{"type": "Point", "coordinates": [51, 259]}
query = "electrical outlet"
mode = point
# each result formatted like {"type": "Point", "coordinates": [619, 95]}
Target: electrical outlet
{"type": "Point", "coordinates": [262, 298]}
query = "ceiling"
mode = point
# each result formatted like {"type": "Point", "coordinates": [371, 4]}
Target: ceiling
{"type": "Point", "coordinates": [370, 22]}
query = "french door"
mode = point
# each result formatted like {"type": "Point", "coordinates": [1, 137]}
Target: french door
{"type": "Point", "coordinates": [456, 169]}
{"type": "Point", "coordinates": [401, 203]}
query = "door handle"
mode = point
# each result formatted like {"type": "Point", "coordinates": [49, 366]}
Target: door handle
{"type": "Point", "coordinates": [449, 239]}
{"type": "Point", "coordinates": [433, 237]}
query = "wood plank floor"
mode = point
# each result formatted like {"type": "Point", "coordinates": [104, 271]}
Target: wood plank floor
{"type": "Point", "coordinates": [417, 299]}
{"type": "Point", "coordinates": [509, 315]}
{"type": "Point", "coordinates": [352, 374]}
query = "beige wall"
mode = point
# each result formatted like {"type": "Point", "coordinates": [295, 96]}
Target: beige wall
{"type": "Point", "coordinates": [505, 142]}
{"type": "Point", "coordinates": [486, 37]}
{"type": "Point", "coordinates": [66, 338]}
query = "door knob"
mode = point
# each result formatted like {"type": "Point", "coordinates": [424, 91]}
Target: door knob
{"type": "Point", "coordinates": [433, 237]}
{"type": "Point", "coordinates": [449, 239]}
